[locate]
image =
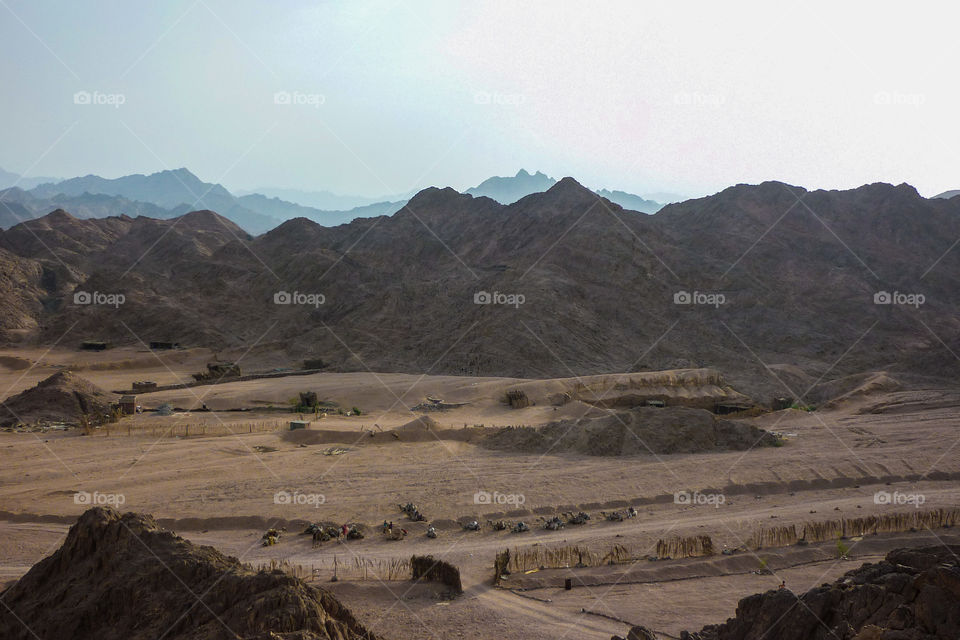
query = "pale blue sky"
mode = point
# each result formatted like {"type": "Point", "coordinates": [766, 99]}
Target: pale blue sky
{"type": "Point", "coordinates": [404, 94]}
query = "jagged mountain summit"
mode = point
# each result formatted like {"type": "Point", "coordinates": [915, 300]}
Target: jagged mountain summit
{"type": "Point", "coordinates": [507, 190]}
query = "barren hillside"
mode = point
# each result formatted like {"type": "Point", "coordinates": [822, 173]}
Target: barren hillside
{"type": "Point", "coordinates": [776, 277]}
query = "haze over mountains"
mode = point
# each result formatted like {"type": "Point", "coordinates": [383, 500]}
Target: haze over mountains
{"type": "Point", "coordinates": [168, 194]}
{"type": "Point", "coordinates": [165, 194]}
{"type": "Point", "coordinates": [507, 190]}
{"type": "Point", "coordinates": [8, 179]}
{"type": "Point", "coordinates": [754, 279]}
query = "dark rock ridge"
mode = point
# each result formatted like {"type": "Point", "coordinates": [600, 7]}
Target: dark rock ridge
{"type": "Point", "coordinates": [121, 577]}
{"type": "Point", "coordinates": [913, 594]}
{"type": "Point", "coordinates": [638, 431]}
{"type": "Point", "coordinates": [798, 271]}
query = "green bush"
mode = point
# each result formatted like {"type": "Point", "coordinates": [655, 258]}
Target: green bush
{"type": "Point", "coordinates": [842, 548]}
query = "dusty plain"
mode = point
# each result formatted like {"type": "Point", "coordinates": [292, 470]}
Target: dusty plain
{"type": "Point", "coordinates": [214, 477]}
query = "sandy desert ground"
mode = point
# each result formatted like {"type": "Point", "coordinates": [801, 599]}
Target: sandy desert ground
{"type": "Point", "coordinates": [213, 477]}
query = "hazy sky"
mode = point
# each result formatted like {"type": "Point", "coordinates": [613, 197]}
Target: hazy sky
{"type": "Point", "coordinates": [389, 96]}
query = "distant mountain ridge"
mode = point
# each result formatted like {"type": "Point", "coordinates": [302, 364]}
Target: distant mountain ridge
{"type": "Point", "coordinates": [171, 193]}
{"type": "Point", "coordinates": [164, 195]}
{"type": "Point", "coordinates": [507, 190]}
{"type": "Point", "coordinates": [324, 200]}
{"type": "Point", "coordinates": [8, 179]}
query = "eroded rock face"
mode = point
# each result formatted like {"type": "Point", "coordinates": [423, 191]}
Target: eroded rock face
{"type": "Point", "coordinates": [63, 397]}
{"type": "Point", "coordinates": [635, 432]}
{"type": "Point", "coordinates": [124, 578]}
{"type": "Point", "coordinates": [913, 594]}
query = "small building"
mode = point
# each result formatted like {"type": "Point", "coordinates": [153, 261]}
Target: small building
{"type": "Point", "coordinates": [144, 386]}
{"type": "Point", "coordinates": [656, 403]}
{"type": "Point", "coordinates": [128, 404]}
{"type": "Point", "coordinates": [299, 424]}
{"type": "Point", "coordinates": [94, 345]}
{"type": "Point", "coordinates": [218, 370]}
{"type": "Point", "coordinates": [157, 345]}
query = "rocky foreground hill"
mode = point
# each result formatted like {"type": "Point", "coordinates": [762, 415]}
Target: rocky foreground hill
{"type": "Point", "coordinates": [121, 577]}
{"type": "Point", "coordinates": [913, 594]}
{"type": "Point", "coordinates": [755, 280]}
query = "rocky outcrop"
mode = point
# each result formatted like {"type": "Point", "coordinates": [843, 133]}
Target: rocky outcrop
{"type": "Point", "coordinates": [638, 431]}
{"type": "Point", "coordinates": [913, 594]}
{"type": "Point", "coordinates": [63, 397]}
{"type": "Point", "coordinates": [122, 577]}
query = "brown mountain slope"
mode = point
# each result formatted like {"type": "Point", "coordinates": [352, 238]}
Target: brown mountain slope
{"type": "Point", "coordinates": [913, 594]}
{"type": "Point", "coordinates": [123, 578]}
{"type": "Point", "coordinates": [798, 271]}
{"type": "Point", "coordinates": [20, 291]}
